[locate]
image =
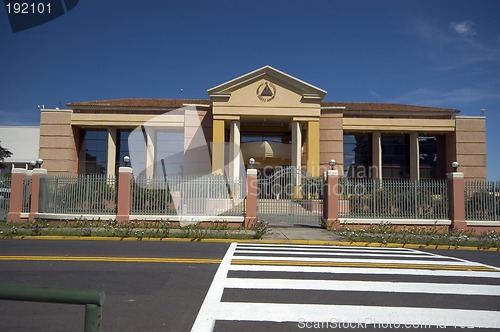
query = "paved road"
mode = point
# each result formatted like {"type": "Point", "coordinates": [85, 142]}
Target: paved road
{"type": "Point", "coordinates": [286, 288]}
{"type": "Point", "coordinates": [166, 286]}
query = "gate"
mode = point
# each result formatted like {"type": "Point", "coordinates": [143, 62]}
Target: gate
{"type": "Point", "coordinates": [290, 198]}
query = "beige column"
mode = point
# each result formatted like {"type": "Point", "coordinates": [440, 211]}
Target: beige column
{"type": "Point", "coordinates": [296, 157]}
{"type": "Point", "coordinates": [376, 155]}
{"type": "Point", "coordinates": [218, 140]}
{"type": "Point", "coordinates": [251, 199]}
{"type": "Point", "coordinates": [18, 176]}
{"type": "Point", "coordinates": [124, 190]}
{"type": "Point", "coordinates": [111, 161]}
{"type": "Point", "coordinates": [414, 157]}
{"type": "Point", "coordinates": [313, 148]}
{"type": "Point", "coordinates": [150, 152]}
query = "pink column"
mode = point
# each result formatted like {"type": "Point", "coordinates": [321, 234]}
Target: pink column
{"type": "Point", "coordinates": [251, 199]}
{"type": "Point", "coordinates": [16, 194]}
{"type": "Point", "coordinates": [124, 191]}
{"type": "Point", "coordinates": [35, 192]}
{"type": "Point", "coordinates": [331, 199]}
{"type": "Point", "coordinates": [457, 200]}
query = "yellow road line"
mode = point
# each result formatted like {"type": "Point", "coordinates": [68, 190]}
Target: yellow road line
{"type": "Point", "coordinates": [375, 265]}
{"type": "Point", "coordinates": [112, 259]}
{"type": "Point", "coordinates": [239, 262]}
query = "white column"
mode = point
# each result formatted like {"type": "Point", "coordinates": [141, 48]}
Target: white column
{"type": "Point", "coordinates": [111, 160]}
{"type": "Point", "coordinates": [234, 151]}
{"type": "Point", "coordinates": [296, 155]}
{"type": "Point", "coordinates": [150, 152]}
{"type": "Point", "coordinates": [414, 157]}
{"type": "Point", "coordinates": [377, 155]}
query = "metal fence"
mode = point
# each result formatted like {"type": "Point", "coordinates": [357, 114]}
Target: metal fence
{"type": "Point", "coordinates": [26, 195]}
{"type": "Point", "coordinates": [209, 195]}
{"type": "Point", "coordinates": [482, 200]}
{"type": "Point", "coordinates": [393, 199]}
{"type": "Point", "coordinates": [82, 194]}
{"type": "Point", "coordinates": [4, 197]}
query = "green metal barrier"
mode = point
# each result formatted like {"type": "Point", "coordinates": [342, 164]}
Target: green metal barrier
{"type": "Point", "coordinates": [92, 299]}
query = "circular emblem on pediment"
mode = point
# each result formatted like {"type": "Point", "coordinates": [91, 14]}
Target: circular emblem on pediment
{"type": "Point", "coordinates": [266, 91]}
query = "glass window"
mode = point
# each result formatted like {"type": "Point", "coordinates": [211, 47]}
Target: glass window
{"type": "Point", "coordinates": [395, 156]}
{"type": "Point", "coordinates": [93, 152]}
{"type": "Point", "coordinates": [169, 152]}
{"type": "Point", "coordinates": [357, 155]}
{"type": "Point", "coordinates": [427, 146]}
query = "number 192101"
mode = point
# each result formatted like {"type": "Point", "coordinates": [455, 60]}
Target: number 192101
{"type": "Point", "coordinates": [27, 8]}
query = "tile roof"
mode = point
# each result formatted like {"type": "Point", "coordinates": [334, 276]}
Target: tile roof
{"type": "Point", "coordinates": [140, 102]}
{"type": "Point", "coordinates": [386, 107]}
{"type": "Point", "coordinates": [176, 103]}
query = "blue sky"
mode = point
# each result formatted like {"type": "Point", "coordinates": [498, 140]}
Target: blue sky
{"type": "Point", "coordinates": [431, 53]}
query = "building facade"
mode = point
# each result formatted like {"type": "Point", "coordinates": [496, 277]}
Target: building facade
{"type": "Point", "coordinates": [270, 116]}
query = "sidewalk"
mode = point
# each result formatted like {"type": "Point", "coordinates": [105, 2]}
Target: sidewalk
{"type": "Point", "coordinates": [301, 233]}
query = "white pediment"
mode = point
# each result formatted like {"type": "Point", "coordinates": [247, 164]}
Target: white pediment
{"type": "Point", "coordinates": [264, 83]}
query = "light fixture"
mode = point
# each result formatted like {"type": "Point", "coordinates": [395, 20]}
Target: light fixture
{"type": "Point", "coordinates": [251, 161]}
{"type": "Point", "coordinates": [32, 164]}
{"type": "Point", "coordinates": [455, 165]}
{"type": "Point", "coordinates": [332, 163]}
{"type": "Point", "coordinates": [126, 160]}
{"type": "Point", "coordinates": [39, 162]}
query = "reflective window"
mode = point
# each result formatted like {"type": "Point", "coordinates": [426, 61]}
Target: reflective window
{"type": "Point", "coordinates": [427, 146]}
{"type": "Point", "coordinates": [395, 156]}
{"type": "Point", "coordinates": [169, 152]}
{"type": "Point", "coordinates": [93, 152]}
{"type": "Point", "coordinates": [357, 155]}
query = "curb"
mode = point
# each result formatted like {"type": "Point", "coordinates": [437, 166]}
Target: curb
{"type": "Point", "coordinates": [267, 241]}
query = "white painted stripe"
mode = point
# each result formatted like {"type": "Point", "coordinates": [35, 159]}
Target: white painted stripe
{"type": "Point", "coordinates": [329, 253]}
{"type": "Point", "coordinates": [353, 260]}
{"type": "Point", "coordinates": [323, 247]}
{"type": "Point", "coordinates": [278, 312]}
{"type": "Point", "coordinates": [464, 260]}
{"type": "Point", "coordinates": [363, 286]}
{"type": "Point", "coordinates": [205, 320]}
{"type": "Point", "coordinates": [361, 270]}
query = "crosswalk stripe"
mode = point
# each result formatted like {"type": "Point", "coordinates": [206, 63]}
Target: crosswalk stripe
{"type": "Point", "coordinates": [328, 253]}
{"type": "Point", "coordinates": [284, 312]}
{"type": "Point", "coordinates": [364, 286]}
{"type": "Point", "coordinates": [361, 270]}
{"type": "Point", "coordinates": [360, 263]}
{"type": "Point", "coordinates": [353, 260]}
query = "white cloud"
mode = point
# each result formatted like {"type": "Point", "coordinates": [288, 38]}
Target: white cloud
{"type": "Point", "coordinates": [464, 28]}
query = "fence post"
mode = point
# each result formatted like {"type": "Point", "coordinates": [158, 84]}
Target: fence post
{"type": "Point", "coordinates": [124, 191]}
{"type": "Point", "coordinates": [331, 199]}
{"type": "Point", "coordinates": [35, 192]}
{"type": "Point", "coordinates": [251, 199]}
{"type": "Point", "coordinates": [457, 200]}
{"type": "Point", "coordinates": [16, 194]}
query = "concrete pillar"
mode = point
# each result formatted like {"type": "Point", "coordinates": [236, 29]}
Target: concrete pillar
{"type": "Point", "coordinates": [456, 185]}
{"type": "Point", "coordinates": [313, 148]}
{"type": "Point", "coordinates": [35, 192]}
{"type": "Point", "coordinates": [414, 157]}
{"type": "Point", "coordinates": [150, 152]}
{"type": "Point", "coordinates": [111, 161]}
{"type": "Point", "coordinates": [331, 199]}
{"type": "Point", "coordinates": [296, 157]}
{"type": "Point", "coordinates": [218, 142]}
{"type": "Point", "coordinates": [234, 152]}
{"type": "Point", "coordinates": [17, 178]}
{"type": "Point", "coordinates": [251, 199]}
{"type": "Point", "coordinates": [376, 155]}
{"type": "Point", "coordinates": [124, 191]}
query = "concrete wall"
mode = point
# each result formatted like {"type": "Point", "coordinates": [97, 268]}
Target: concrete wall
{"type": "Point", "coordinates": [470, 137]}
{"type": "Point", "coordinates": [57, 142]}
{"type": "Point", "coordinates": [331, 139]}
